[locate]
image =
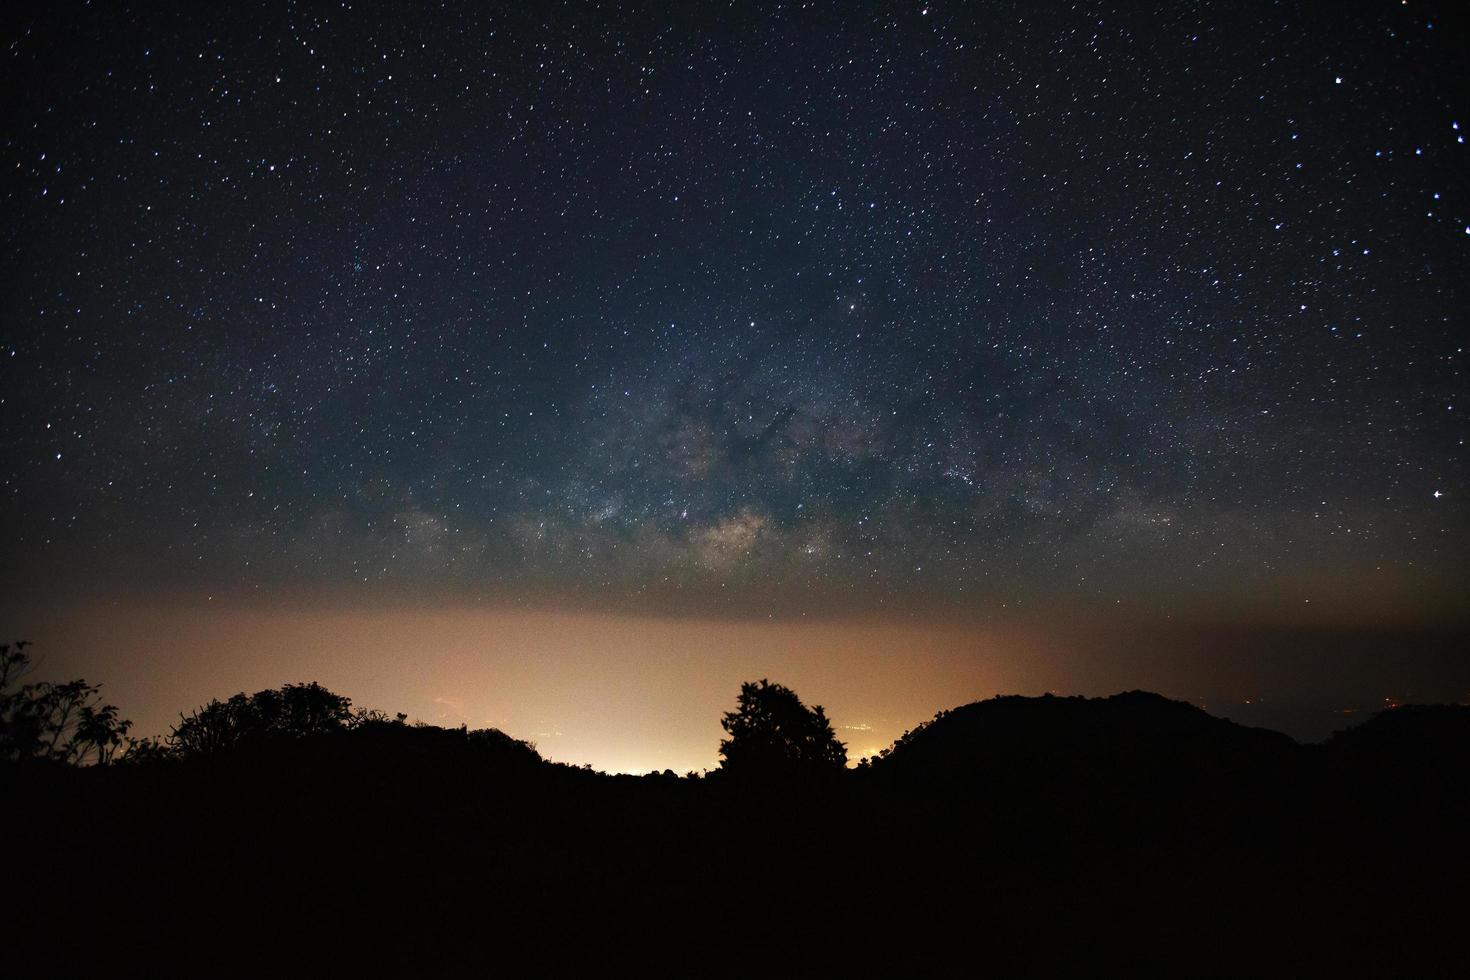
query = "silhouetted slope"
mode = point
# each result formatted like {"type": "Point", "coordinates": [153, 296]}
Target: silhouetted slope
{"type": "Point", "coordinates": [1135, 739]}
{"type": "Point", "coordinates": [1013, 836]}
{"type": "Point", "coordinates": [1436, 734]}
{"type": "Point", "coordinates": [1405, 767]}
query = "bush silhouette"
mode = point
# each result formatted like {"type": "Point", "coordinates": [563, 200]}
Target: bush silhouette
{"type": "Point", "coordinates": [294, 711]}
{"type": "Point", "coordinates": [773, 733]}
{"type": "Point", "coordinates": [66, 722]}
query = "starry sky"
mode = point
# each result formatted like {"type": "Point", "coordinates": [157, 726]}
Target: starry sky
{"type": "Point", "coordinates": [845, 317]}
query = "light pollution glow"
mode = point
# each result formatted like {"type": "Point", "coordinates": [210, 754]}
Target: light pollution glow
{"type": "Point", "coordinates": [631, 693]}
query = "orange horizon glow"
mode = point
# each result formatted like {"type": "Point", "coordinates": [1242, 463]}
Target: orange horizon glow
{"type": "Point", "coordinates": [636, 693]}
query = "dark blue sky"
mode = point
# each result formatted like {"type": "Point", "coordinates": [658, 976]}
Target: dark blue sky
{"type": "Point", "coordinates": [759, 308]}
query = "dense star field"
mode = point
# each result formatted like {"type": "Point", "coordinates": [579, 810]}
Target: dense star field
{"type": "Point", "coordinates": [741, 310]}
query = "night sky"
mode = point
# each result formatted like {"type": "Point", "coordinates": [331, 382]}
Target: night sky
{"type": "Point", "coordinates": [566, 342]}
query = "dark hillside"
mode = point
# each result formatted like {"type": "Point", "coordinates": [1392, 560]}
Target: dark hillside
{"type": "Point", "coordinates": [1137, 733]}
{"type": "Point", "coordinates": [1018, 835]}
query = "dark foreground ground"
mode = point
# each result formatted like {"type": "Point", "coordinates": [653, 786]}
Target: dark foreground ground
{"type": "Point", "coordinates": [1016, 836]}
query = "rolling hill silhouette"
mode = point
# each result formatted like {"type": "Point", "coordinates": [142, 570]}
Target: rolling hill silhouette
{"type": "Point", "coordinates": [1131, 735]}
{"type": "Point", "coordinates": [1014, 835]}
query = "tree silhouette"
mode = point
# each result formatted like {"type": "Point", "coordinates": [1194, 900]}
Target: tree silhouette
{"type": "Point", "coordinates": [293, 711]}
{"type": "Point", "coordinates": [67, 722]}
{"type": "Point", "coordinates": [772, 732]}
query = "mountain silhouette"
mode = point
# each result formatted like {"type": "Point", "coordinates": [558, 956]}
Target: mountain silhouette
{"type": "Point", "coordinates": [1017, 835]}
{"type": "Point", "coordinates": [1136, 732]}
{"type": "Point", "coordinates": [1434, 734]}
